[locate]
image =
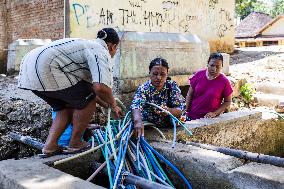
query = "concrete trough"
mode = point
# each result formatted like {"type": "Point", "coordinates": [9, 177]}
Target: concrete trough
{"type": "Point", "coordinates": [34, 173]}
{"type": "Point", "coordinates": [205, 169]}
{"type": "Point", "coordinates": [244, 130]}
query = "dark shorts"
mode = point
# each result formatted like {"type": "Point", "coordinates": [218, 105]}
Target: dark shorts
{"type": "Point", "coordinates": [77, 96]}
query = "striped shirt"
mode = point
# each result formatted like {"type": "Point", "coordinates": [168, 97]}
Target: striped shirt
{"type": "Point", "coordinates": [63, 63]}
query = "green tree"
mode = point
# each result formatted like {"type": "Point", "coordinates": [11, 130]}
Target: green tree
{"type": "Point", "coordinates": [244, 7]}
{"type": "Point", "coordinates": [260, 6]}
{"type": "Point", "coordinates": [278, 8]}
{"type": "Point", "coordinates": [271, 7]}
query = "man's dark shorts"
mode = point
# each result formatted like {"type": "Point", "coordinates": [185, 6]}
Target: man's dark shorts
{"type": "Point", "coordinates": [78, 96]}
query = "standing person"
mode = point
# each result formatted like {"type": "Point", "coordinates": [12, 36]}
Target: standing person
{"type": "Point", "coordinates": [210, 92]}
{"type": "Point", "coordinates": [160, 91]}
{"type": "Point", "coordinates": [72, 75]}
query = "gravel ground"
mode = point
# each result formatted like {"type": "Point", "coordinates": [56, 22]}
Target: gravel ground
{"type": "Point", "coordinates": [258, 64]}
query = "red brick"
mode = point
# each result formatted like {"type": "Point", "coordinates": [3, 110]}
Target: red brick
{"type": "Point", "coordinates": [30, 19]}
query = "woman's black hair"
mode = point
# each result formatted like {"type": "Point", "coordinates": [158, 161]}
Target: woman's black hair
{"type": "Point", "coordinates": [217, 56]}
{"type": "Point", "coordinates": [158, 62]}
{"type": "Point", "coordinates": [109, 35]}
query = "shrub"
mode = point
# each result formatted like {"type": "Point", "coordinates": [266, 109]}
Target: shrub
{"type": "Point", "coordinates": [247, 91]}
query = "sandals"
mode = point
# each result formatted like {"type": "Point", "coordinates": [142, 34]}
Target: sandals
{"type": "Point", "coordinates": [70, 150]}
{"type": "Point", "coordinates": [59, 151]}
{"type": "Point", "coordinates": [66, 151]}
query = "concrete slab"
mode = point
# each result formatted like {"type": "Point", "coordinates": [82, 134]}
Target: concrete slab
{"type": "Point", "coordinates": [203, 168]}
{"type": "Point", "coordinates": [270, 88]}
{"type": "Point", "coordinates": [226, 117]}
{"type": "Point", "coordinates": [32, 174]}
{"type": "Point", "coordinates": [269, 100]}
{"type": "Point", "coordinates": [36, 170]}
{"type": "Point", "coordinates": [206, 169]}
{"type": "Point", "coordinates": [256, 175]}
{"type": "Point", "coordinates": [185, 53]}
{"type": "Point", "coordinates": [244, 130]}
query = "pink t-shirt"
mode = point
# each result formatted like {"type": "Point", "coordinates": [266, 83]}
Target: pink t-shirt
{"type": "Point", "coordinates": [207, 94]}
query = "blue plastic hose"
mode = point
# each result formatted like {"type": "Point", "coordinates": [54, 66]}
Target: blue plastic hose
{"type": "Point", "coordinates": [175, 132]}
{"type": "Point", "coordinates": [166, 161]}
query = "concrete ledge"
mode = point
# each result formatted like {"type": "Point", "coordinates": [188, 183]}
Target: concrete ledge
{"type": "Point", "coordinates": [244, 130]}
{"type": "Point", "coordinates": [269, 100]}
{"type": "Point", "coordinates": [203, 168]}
{"type": "Point", "coordinates": [33, 174]}
{"type": "Point", "coordinates": [270, 88]}
{"type": "Point", "coordinates": [224, 118]}
{"type": "Point", "coordinates": [206, 169]}
{"type": "Point", "coordinates": [256, 175]}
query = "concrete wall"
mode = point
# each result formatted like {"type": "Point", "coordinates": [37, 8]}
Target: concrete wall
{"type": "Point", "coordinates": [184, 53]}
{"type": "Point", "coordinates": [206, 169]}
{"type": "Point", "coordinates": [211, 20]}
{"type": "Point", "coordinates": [26, 19]}
{"type": "Point", "coordinates": [18, 49]}
{"type": "Point", "coordinates": [244, 130]}
{"type": "Point", "coordinates": [276, 28]}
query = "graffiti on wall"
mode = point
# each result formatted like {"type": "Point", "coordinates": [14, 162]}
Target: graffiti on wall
{"type": "Point", "coordinates": [227, 23]}
{"type": "Point", "coordinates": [175, 16]}
{"type": "Point", "coordinates": [132, 15]}
{"type": "Point", "coordinates": [213, 3]}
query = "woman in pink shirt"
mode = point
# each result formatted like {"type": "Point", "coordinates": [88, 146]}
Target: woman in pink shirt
{"type": "Point", "coordinates": [210, 92]}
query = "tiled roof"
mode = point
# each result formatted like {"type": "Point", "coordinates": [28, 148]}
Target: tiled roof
{"type": "Point", "coordinates": [252, 24]}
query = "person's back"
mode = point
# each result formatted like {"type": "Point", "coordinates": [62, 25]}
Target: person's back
{"type": "Point", "coordinates": [72, 76]}
{"type": "Point", "coordinates": [61, 64]}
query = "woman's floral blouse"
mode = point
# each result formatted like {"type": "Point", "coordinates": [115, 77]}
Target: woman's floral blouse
{"type": "Point", "coordinates": [170, 96]}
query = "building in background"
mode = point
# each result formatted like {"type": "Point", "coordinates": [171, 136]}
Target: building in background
{"type": "Point", "coordinates": [259, 29]}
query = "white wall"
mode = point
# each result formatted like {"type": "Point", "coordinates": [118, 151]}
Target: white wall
{"type": "Point", "coordinates": [212, 20]}
{"type": "Point", "coordinates": [276, 29]}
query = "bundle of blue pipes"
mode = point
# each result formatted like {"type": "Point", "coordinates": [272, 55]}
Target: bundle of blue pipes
{"type": "Point", "coordinates": [129, 154]}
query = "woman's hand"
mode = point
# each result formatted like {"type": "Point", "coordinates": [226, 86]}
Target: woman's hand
{"type": "Point", "coordinates": [118, 113]}
{"type": "Point", "coordinates": [210, 115]}
{"type": "Point", "coordinates": [139, 129]}
{"type": "Point", "coordinates": [160, 112]}
{"type": "Point", "coordinates": [138, 123]}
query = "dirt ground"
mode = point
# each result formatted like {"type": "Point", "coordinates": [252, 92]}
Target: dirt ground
{"type": "Point", "coordinates": [23, 112]}
{"type": "Point", "coordinates": [258, 64]}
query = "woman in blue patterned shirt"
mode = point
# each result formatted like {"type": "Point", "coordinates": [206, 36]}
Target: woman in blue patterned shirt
{"type": "Point", "coordinates": [160, 91]}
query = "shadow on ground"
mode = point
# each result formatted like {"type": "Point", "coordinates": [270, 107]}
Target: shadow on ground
{"type": "Point", "coordinates": [240, 57]}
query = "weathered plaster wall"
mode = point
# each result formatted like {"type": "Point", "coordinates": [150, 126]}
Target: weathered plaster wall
{"type": "Point", "coordinates": [184, 53]}
{"type": "Point", "coordinates": [211, 20]}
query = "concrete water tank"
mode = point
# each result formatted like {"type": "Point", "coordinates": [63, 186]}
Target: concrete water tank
{"type": "Point", "coordinates": [184, 53]}
{"type": "Point", "coordinates": [18, 49]}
